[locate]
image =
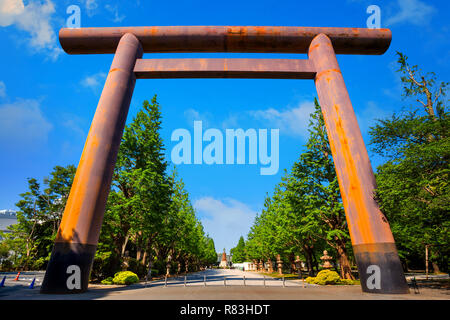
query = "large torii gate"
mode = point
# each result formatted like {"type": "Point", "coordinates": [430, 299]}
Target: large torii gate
{"type": "Point", "coordinates": [377, 259]}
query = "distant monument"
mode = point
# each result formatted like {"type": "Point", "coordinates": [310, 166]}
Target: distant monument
{"type": "Point", "coordinates": [326, 260]}
{"type": "Point", "coordinates": [223, 262]}
{"type": "Point", "coordinates": [279, 264]}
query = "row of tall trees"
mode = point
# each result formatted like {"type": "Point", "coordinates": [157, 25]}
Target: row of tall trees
{"type": "Point", "coordinates": [149, 222]}
{"type": "Point", "coordinates": [305, 216]}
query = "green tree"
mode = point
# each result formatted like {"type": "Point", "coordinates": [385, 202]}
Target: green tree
{"type": "Point", "coordinates": [413, 189]}
{"type": "Point", "coordinates": [141, 189]}
{"type": "Point", "coordinates": [304, 215]}
{"type": "Point", "coordinates": [210, 254]}
{"type": "Point", "coordinates": [38, 219]}
{"type": "Point", "coordinates": [314, 193]}
{"type": "Point", "coordinates": [238, 252]}
{"type": "Point", "coordinates": [149, 214]}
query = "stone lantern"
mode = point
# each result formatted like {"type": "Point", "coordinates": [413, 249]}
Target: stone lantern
{"type": "Point", "coordinates": [269, 266]}
{"type": "Point", "coordinates": [326, 260]}
{"type": "Point", "coordinates": [279, 264]}
{"type": "Point", "coordinates": [168, 265]}
{"type": "Point", "coordinates": [298, 266]}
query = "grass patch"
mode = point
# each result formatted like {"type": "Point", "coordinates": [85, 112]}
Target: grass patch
{"type": "Point", "coordinates": [287, 276]}
{"type": "Point", "coordinates": [291, 276]}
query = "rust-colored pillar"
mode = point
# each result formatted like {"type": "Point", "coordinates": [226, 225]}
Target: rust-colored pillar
{"type": "Point", "coordinates": [378, 263]}
{"type": "Point", "coordinates": [76, 242]}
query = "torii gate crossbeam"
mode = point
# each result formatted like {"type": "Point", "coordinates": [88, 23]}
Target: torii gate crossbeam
{"type": "Point", "coordinates": [377, 259]}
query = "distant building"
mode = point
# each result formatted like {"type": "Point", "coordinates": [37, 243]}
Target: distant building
{"type": "Point", "coordinates": [222, 256]}
{"type": "Point", "coordinates": [244, 266]}
{"type": "Point", "coordinates": [7, 218]}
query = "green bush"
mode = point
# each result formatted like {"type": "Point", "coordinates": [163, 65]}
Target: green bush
{"type": "Point", "coordinates": [125, 277]}
{"type": "Point", "coordinates": [108, 280]}
{"type": "Point", "coordinates": [325, 277]}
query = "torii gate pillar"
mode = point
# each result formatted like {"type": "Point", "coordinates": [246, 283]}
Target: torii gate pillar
{"type": "Point", "coordinates": [378, 263]}
{"type": "Point", "coordinates": [77, 238]}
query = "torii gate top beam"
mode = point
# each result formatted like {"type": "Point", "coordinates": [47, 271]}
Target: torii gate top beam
{"type": "Point", "coordinates": [264, 39]}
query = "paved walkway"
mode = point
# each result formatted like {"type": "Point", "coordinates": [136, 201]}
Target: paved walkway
{"type": "Point", "coordinates": [216, 289]}
{"type": "Point", "coordinates": [228, 277]}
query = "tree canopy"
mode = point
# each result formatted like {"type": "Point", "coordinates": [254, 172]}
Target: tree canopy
{"type": "Point", "coordinates": [149, 221]}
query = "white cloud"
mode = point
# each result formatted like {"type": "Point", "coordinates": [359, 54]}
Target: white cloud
{"type": "Point", "coordinates": [94, 81]}
{"type": "Point", "coordinates": [114, 10]}
{"type": "Point", "coordinates": [33, 18]}
{"type": "Point", "coordinates": [412, 11]}
{"type": "Point", "coordinates": [293, 121]}
{"type": "Point", "coordinates": [91, 7]}
{"type": "Point", "coordinates": [22, 124]}
{"type": "Point", "coordinates": [226, 220]}
{"type": "Point", "coordinates": [9, 11]}
{"type": "Point", "coordinates": [2, 89]}
{"type": "Point", "coordinates": [192, 115]}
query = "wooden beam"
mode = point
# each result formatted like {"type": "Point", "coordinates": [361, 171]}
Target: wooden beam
{"type": "Point", "coordinates": [224, 68]}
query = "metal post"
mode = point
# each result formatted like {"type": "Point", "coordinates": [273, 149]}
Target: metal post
{"type": "Point", "coordinates": [185, 281]}
{"type": "Point", "coordinates": [77, 237]}
{"type": "Point", "coordinates": [165, 281]}
{"type": "Point", "coordinates": [284, 282]}
{"type": "Point", "coordinates": [225, 281]}
{"type": "Point", "coordinates": [204, 280]}
{"type": "Point", "coordinates": [244, 281]}
{"type": "Point", "coordinates": [378, 263]}
{"type": "Point", "coordinates": [426, 261]}
{"type": "Point", "coordinates": [264, 281]}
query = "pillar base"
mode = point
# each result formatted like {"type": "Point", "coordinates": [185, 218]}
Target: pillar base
{"type": "Point", "coordinates": [380, 269]}
{"type": "Point", "coordinates": [62, 274]}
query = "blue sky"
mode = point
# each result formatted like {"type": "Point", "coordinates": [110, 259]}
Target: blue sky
{"type": "Point", "coordinates": [48, 98]}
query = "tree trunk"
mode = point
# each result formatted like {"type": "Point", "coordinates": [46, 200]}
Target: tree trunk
{"type": "Point", "coordinates": [345, 269]}
{"type": "Point", "coordinates": [309, 262]}
{"type": "Point", "coordinates": [149, 267]}
{"type": "Point", "coordinates": [344, 263]}
{"type": "Point", "coordinates": [124, 245]}
{"type": "Point", "coordinates": [435, 267]}
{"type": "Point", "coordinates": [144, 256]}
{"type": "Point", "coordinates": [315, 262]}
{"type": "Point", "coordinates": [434, 263]}
{"type": "Point", "coordinates": [292, 263]}
{"type": "Point", "coordinates": [138, 254]}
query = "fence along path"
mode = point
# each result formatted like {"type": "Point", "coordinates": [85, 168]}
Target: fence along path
{"type": "Point", "coordinates": [228, 277]}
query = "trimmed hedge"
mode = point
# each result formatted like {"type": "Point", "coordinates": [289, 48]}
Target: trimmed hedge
{"type": "Point", "coordinates": [125, 277]}
{"type": "Point", "coordinates": [108, 280]}
{"type": "Point", "coordinates": [326, 277]}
